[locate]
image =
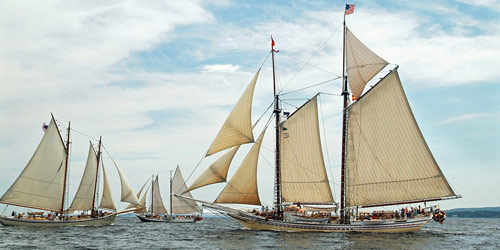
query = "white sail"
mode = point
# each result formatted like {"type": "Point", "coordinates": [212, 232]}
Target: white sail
{"type": "Point", "coordinates": [237, 129]}
{"type": "Point", "coordinates": [217, 172]}
{"type": "Point", "coordinates": [143, 204]}
{"type": "Point", "coordinates": [181, 206]}
{"type": "Point", "coordinates": [388, 160]}
{"type": "Point", "coordinates": [303, 173]}
{"type": "Point", "coordinates": [107, 198]}
{"type": "Point", "coordinates": [85, 194]}
{"type": "Point", "coordinates": [40, 185]}
{"type": "Point", "coordinates": [127, 191]}
{"type": "Point", "coordinates": [138, 195]}
{"type": "Point", "coordinates": [242, 188]}
{"type": "Point", "coordinates": [157, 203]}
{"type": "Point", "coordinates": [362, 64]}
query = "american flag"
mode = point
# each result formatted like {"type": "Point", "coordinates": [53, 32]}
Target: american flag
{"type": "Point", "coordinates": [45, 127]}
{"type": "Point", "coordinates": [349, 9]}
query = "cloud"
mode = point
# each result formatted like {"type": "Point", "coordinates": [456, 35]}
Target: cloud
{"type": "Point", "coordinates": [468, 117]}
{"type": "Point", "coordinates": [223, 68]}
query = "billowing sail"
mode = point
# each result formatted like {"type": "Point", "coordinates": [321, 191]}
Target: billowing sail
{"type": "Point", "coordinates": [85, 194]}
{"type": "Point", "coordinates": [217, 172]}
{"type": "Point", "coordinates": [138, 195]}
{"type": "Point", "coordinates": [179, 205]}
{"type": "Point", "coordinates": [40, 184]}
{"type": "Point", "coordinates": [303, 173]}
{"type": "Point", "coordinates": [237, 129]}
{"type": "Point", "coordinates": [157, 206]}
{"type": "Point", "coordinates": [362, 64]}
{"type": "Point", "coordinates": [107, 198]}
{"type": "Point", "coordinates": [388, 160]}
{"type": "Point", "coordinates": [143, 204]}
{"type": "Point", "coordinates": [242, 188]}
{"type": "Point", "coordinates": [127, 191]}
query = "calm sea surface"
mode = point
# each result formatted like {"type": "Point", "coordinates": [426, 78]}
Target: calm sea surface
{"type": "Point", "coordinates": [220, 233]}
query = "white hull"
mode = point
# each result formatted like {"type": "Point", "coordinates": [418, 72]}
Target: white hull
{"type": "Point", "coordinates": [102, 221]}
{"type": "Point", "coordinates": [251, 221]}
{"type": "Point", "coordinates": [168, 220]}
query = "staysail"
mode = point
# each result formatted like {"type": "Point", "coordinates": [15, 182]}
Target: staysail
{"type": "Point", "coordinates": [107, 198]}
{"type": "Point", "coordinates": [362, 64]}
{"type": "Point", "coordinates": [242, 188]}
{"type": "Point", "coordinates": [157, 206]}
{"type": "Point", "coordinates": [388, 160]}
{"type": "Point", "coordinates": [237, 129]}
{"type": "Point", "coordinates": [303, 173]}
{"type": "Point", "coordinates": [179, 205]}
{"type": "Point", "coordinates": [127, 191]}
{"type": "Point", "coordinates": [217, 172]}
{"type": "Point", "coordinates": [40, 185]}
{"type": "Point", "coordinates": [84, 195]}
{"type": "Point", "coordinates": [138, 195]}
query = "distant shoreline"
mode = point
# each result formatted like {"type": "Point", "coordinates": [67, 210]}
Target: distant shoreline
{"type": "Point", "coordinates": [483, 212]}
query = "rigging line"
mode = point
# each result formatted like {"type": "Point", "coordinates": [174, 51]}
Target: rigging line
{"type": "Point", "coordinates": [326, 144]}
{"type": "Point", "coordinates": [88, 136]}
{"type": "Point", "coordinates": [311, 86]}
{"type": "Point", "coordinates": [314, 66]}
{"type": "Point", "coordinates": [324, 93]}
{"type": "Point", "coordinates": [290, 104]}
{"type": "Point", "coordinates": [315, 53]}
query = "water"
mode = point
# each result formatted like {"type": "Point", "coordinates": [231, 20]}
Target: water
{"type": "Point", "coordinates": [218, 233]}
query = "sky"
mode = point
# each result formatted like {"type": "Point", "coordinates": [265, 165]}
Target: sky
{"type": "Point", "coordinates": [157, 79]}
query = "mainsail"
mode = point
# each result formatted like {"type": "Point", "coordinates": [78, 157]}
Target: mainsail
{"type": "Point", "coordinates": [237, 129]}
{"type": "Point", "coordinates": [303, 173]}
{"type": "Point", "coordinates": [157, 206]}
{"type": "Point", "coordinates": [242, 188]}
{"type": "Point", "coordinates": [85, 194]}
{"type": "Point", "coordinates": [362, 64]}
{"type": "Point", "coordinates": [217, 172]}
{"type": "Point", "coordinates": [107, 198]}
{"type": "Point", "coordinates": [388, 160]}
{"type": "Point", "coordinates": [40, 185]}
{"type": "Point", "coordinates": [179, 205]}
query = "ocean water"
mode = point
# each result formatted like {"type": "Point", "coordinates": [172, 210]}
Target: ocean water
{"type": "Point", "coordinates": [223, 233]}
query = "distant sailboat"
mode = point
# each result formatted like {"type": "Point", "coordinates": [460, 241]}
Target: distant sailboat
{"type": "Point", "coordinates": [43, 185]}
{"type": "Point", "coordinates": [385, 159]}
{"type": "Point", "coordinates": [181, 210]}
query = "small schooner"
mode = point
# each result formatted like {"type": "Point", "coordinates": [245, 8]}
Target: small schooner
{"type": "Point", "coordinates": [43, 183]}
{"type": "Point", "coordinates": [181, 210]}
{"type": "Point", "coordinates": [385, 160]}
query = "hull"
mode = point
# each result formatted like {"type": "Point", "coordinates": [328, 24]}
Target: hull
{"type": "Point", "coordinates": [169, 220]}
{"type": "Point", "coordinates": [258, 223]}
{"type": "Point", "coordinates": [102, 221]}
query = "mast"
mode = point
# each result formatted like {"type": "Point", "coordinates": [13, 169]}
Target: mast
{"type": "Point", "coordinates": [277, 183]}
{"type": "Point", "coordinates": [345, 94]}
{"type": "Point", "coordinates": [152, 191]}
{"type": "Point", "coordinates": [171, 191]}
{"type": "Point", "coordinates": [65, 169]}
{"type": "Point", "coordinates": [96, 175]}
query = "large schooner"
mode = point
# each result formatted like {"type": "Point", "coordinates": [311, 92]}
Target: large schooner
{"type": "Point", "coordinates": [43, 186]}
{"type": "Point", "coordinates": [385, 160]}
{"type": "Point", "coordinates": [181, 210]}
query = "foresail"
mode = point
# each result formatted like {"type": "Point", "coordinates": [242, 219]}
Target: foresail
{"type": "Point", "coordinates": [388, 160]}
{"type": "Point", "coordinates": [158, 207]}
{"type": "Point", "coordinates": [362, 64]}
{"type": "Point", "coordinates": [138, 195]}
{"type": "Point", "coordinates": [237, 129]}
{"type": "Point", "coordinates": [85, 194]}
{"type": "Point", "coordinates": [41, 182]}
{"type": "Point", "coordinates": [179, 205]}
{"type": "Point", "coordinates": [127, 191]}
{"type": "Point", "coordinates": [242, 188]}
{"type": "Point", "coordinates": [107, 198]}
{"type": "Point", "coordinates": [217, 172]}
{"type": "Point", "coordinates": [303, 173]}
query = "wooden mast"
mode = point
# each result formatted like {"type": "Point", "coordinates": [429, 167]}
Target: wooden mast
{"type": "Point", "coordinates": [277, 127]}
{"type": "Point", "coordinates": [65, 169]}
{"type": "Point", "coordinates": [171, 191]}
{"type": "Point", "coordinates": [345, 94]}
{"type": "Point", "coordinates": [96, 175]}
{"type": "Point", "coordinates": [152, 192]}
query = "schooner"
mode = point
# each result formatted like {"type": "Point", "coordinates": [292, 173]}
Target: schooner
{"type": "Point", "coordinates": [43, 185]}
{"type": "Point", "coordinates": [384, 158]}
{"type": "Point", "coordinates": [181, 210]}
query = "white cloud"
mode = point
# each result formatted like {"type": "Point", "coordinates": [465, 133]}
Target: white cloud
{"type": "Point", "coordinates": [468, 117]}
{"type": "Point", "coordinates": [223, 68]}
